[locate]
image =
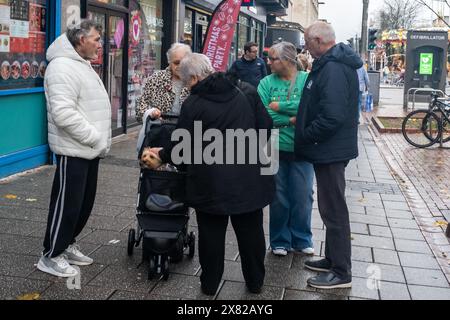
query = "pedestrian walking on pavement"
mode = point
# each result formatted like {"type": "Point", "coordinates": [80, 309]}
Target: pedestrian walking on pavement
{"type": "Point", "coordinates": [223, 192]}
{"type": "Point", "coordinates": [364, 85]}
{"type": "Point", "coordinates": [250, 68]}
{"type": "Point", "coordinates": [327, 136]}
{"type": "Point", "coordinates": [290, 211]}
{"type": "Point", "coordinates": [79, 134]}
{"type": "Point", "coordinates": [164, 92]}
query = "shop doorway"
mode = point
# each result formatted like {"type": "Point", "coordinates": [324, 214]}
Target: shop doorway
{"type": "Point", "coordinates": [112, 63]}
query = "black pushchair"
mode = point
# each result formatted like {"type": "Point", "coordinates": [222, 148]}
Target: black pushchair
{"type": "Point", "coordinates": [162, 216]}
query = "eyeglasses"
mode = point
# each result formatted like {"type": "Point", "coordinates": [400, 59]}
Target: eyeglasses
{"type": "Point", "coordinates": [273, 59]}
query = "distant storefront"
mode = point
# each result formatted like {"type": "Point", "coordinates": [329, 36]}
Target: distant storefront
{"type": "Point", "coordinates": [24, 35]}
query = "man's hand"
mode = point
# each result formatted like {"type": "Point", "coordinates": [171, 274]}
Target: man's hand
{"type": "Point", "coordinates": [275, 106]}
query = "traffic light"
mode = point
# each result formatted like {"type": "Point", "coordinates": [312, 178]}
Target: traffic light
{"type": "Point", "coordinates": [372, 39]}
{"type": "Point", "coordinates": [248, 3]}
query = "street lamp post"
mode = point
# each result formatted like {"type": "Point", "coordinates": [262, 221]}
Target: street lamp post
{"type": "Point", "coordinates": [365, 17]}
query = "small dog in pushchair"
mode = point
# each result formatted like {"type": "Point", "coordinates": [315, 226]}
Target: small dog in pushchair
{"type": "Point", "coordinates": [162, 216]}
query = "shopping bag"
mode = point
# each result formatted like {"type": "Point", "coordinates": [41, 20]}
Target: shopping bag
{"type": "Point", "coordinates": [369, 103]}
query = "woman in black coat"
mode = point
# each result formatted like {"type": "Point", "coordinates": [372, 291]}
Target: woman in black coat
{"type": "Point", "coordinates": [222, 190]}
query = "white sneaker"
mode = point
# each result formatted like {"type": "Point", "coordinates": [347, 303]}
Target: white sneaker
{"type": "Point", "coordinates": [57, 266]}
{"type": "Point", "coordinates": [74, 256]}
{"type": "Point", "coordinates": [308, 251]}
{"type": "Point", "coordinates": [280, 252]}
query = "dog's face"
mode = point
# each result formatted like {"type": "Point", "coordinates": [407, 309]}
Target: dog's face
{"type": "Point", "coordinates": [148, 159]}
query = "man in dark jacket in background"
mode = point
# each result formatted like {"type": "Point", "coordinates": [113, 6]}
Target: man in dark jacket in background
{"type": "Point", "coordinates": [327, 136]}
{"type": "Point", "coordinates": [250, 68]}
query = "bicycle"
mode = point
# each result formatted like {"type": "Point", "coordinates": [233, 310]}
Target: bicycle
{"type": "Point", "coordinates": [424, 127]}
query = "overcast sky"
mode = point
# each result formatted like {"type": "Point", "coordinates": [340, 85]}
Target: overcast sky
{"type": "Point", "coordinates": [346, 15]}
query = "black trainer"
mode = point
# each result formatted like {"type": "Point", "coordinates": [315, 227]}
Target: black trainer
{"type": "Point", "coordinates": [208, 291]}
{"type": "Point", "coordinates": [254, 289]}
{"type": "Point", "coordinates": [323, 265]}
{"type": "Point", "coordinates": [329, 281]}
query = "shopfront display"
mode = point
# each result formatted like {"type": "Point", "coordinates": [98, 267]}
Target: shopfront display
{"type": "Point", "coordinates": [22, 43]}
{"type": "Point", "coordinates": [244, 31]}
{"type": "Point", "coordinates": [144, 48]}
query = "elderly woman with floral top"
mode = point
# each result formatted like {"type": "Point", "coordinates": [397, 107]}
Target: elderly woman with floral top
{"type": "Point", "coordinates": [164, 92]}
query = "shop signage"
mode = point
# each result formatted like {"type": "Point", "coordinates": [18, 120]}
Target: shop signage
{"type": "Point", "coordinates": [220, 33]}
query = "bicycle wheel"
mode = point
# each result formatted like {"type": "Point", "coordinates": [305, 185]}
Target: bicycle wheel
{"type": "Point", "coordinates": [421, 128]}
{"type": "Point", "coordinates": [445, 126]}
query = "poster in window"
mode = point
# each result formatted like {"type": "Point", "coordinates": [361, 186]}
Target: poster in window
{"type": "Point", "coordinates": [23, 27]}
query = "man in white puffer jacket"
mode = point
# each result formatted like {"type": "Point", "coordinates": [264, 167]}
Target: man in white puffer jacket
{"type": "Point", "coordinates": [79, 133]}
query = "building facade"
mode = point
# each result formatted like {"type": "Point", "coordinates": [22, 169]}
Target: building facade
{"type": "Point", "coordinates": [304, 12]}
{"type": "Point", "coordinates": [136, 36]}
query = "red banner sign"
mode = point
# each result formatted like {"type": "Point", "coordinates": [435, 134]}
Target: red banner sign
{"type": "Point", "coordinates": [220, 33]}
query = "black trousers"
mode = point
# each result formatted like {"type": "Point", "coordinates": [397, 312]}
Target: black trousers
{"type": "Point", "coordinates": [71, 202]}
{"type": "Point", "coordinates": [334, 212]}
{"type": "Point", "coordinates": [211, 246]}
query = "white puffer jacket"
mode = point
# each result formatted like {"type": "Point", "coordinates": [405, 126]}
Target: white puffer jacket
{"type": "Point", "coordinates": [78, 106]}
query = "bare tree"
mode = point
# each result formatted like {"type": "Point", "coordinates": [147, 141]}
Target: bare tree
{"type": "Point", "coordinates": [397, 14]}
{"type": "Point", "coordinates": [440, 17]}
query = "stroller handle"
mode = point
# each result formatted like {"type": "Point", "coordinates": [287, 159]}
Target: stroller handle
{"type": "Point", "coordinates": [169, 116]}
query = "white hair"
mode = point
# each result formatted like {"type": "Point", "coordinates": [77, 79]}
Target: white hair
{"type": "Point", "coordinates": [286, 51]}
{"type": "Point", "coordinates": [177, 47]}
{"type": "Point", "coordinates": [195, 64]}
{"type": "Point", "coordinates": [322, 30]}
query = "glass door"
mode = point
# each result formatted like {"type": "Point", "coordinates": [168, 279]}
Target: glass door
{"type": "Point", "coordinates": [111, 64]}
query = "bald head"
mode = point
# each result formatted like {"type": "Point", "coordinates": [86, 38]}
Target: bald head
{"type": "Point", "coordinates": [319, 37]}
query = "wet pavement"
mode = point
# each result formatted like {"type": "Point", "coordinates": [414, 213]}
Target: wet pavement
{"type": "Point", "coordinates": [423, 175]}
{"type": "Point", "coordinates": [391, 257]}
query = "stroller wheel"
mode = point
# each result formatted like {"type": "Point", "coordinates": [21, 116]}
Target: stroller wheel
{"type": "Point", "coordinates": [165, 269]}
{"type": "Point", "coordinates": [191, 245]}
{"type": "Point", "coordinates": [131, 241]}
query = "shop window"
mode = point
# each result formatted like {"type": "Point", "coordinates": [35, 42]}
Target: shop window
{"type": "Point", "coordinates": [115, 2]}
{"type": "Point", "coordinates": [201, 26]}
{"type": "Point", "coordinates": [145, 47]}
{"type": "Point", "coordinates": [188, 34]}
{"type": "Point", "coordinates": [244, 28]}
{"type": "Point", "coordinates": [23, 26]}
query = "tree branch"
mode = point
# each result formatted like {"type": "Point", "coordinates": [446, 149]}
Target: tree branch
{"type": "Point", "coordinates": [422, 2]}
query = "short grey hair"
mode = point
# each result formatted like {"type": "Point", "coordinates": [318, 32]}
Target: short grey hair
{"type": "Point", "coordinates": [76, 32]}
{"type": "Point", "coordinates": [322, 30]}
{"type": "Point", "coordinates": [195, 64]}
{"type": "Point", "coordinates": [176, 47]}
{"type": "Point", "coordinates": [286, 51]}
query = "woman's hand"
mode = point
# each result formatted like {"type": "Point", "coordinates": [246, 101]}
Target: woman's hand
{"type": "Point", "coordinates": [155, 113]}
{"type": "Point", "coordinates": [293, 121]}
{"type": "Point", "coordinates": [275, 106]}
